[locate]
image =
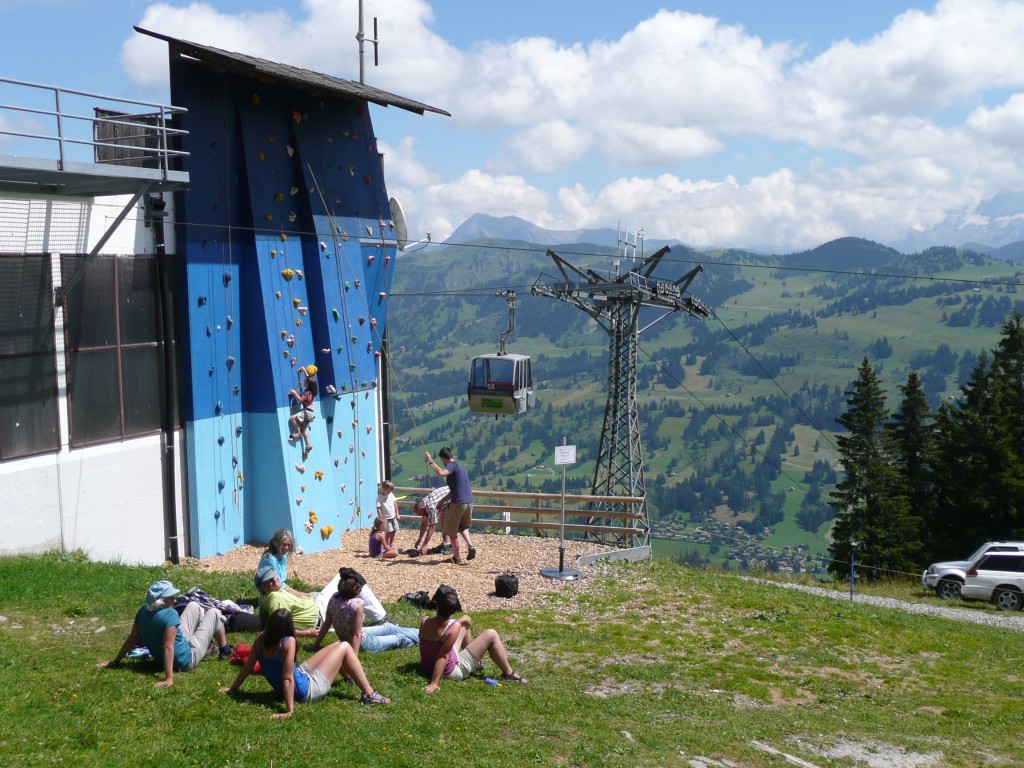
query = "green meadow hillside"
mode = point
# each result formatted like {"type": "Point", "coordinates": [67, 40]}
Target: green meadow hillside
{"type": "Point", "coordinates": [738, 411]}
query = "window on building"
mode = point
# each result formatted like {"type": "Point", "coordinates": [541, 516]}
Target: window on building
{"type": "Point", "coordinates": [115, 371]}
{"type": "Point", "coordinates": [28, 371]}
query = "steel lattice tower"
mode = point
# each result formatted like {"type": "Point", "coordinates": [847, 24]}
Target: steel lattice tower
{"type": "Point", "coordinates": [615, 303]}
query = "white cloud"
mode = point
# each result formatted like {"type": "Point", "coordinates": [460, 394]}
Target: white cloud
{"type": "Point", "coordinates": [902, 127]}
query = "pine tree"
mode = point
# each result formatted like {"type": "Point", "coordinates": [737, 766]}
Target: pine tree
{"type": "Point", "coordinates": [979, 466]}
{"type": "Point", "coordinates": [871, 508]}
{"type": "Point", "coordinates": [914, 443]}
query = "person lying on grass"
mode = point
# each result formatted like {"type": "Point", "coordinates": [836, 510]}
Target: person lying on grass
{"type": "Point", "coordinates": [276, 647]}
{"type": "Point", "coordinates": [447, 648]}
{"type": "Point", "coordinates": [177, 643]}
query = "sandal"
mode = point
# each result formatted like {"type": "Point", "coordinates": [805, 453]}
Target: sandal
{"type": "Point", "coordinates": [515, 677]}
{"type": "Point", "coordinates": [373, 698]}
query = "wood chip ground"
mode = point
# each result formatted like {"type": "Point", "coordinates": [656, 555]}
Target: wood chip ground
{"type": "Point", "coordinates": [523, 556]}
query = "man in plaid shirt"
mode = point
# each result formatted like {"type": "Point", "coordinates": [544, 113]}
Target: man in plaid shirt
{"type": "Point", "coordinates": [430, 508]}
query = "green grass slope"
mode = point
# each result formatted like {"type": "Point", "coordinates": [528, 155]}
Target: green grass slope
{"type": "Point", "coordinates": [644, 664]}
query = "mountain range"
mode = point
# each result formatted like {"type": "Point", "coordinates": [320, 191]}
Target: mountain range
{"type": "Point", "coordinates": [995, 228]}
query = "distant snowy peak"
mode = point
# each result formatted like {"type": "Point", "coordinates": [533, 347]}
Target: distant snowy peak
{"type": "Point", "coordinates": [480, 226]}
{"type": "Point", "coordinates": [994, 225]}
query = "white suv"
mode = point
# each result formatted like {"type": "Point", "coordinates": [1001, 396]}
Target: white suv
{"type": "Point", "coordinates": [998, 577]}
{"type": "Point", "coordinates": [947, 578]}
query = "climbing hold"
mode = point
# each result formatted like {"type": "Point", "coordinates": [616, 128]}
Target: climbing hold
{"type": "Point", "coordinates": [298, 499]}
{"type": "Point", "coordinates": [211, 370]}
{"type": "Point", "coordinates": [373, 322]}
{"type": "Point", "coordinates": [355, 339]}
{"type": "Point", "coordinates": [336, 461]}
{"type": "Point", "coordinates": [370, 259]}
{"type": "Point", "coordinates": [382, 295]}
{"type": "Point", "coordinates": [300, 468]}
{"type": "Point", "coordinates": [236, 539]}
{"type": "Point", "coordinates": [277, 294]}
{"type": "Point", "coordinates": [303, 310]}
{"type": "Point", "coordinates": [356, 282]}
{"type": "Point", "coordinates": [377, 354]}
{"type": "Point", "coordinates": [227, 278]}
{"type": "Point", "coordinates": [339, 433]}
{"type": "Point", "coordinates": [340, 349]}
{"type": "Point", "coordinates": [330, 387]}
{"type": "Point", "coordinates": [202, 300]}
{"type": "Point", "coordinates": [352, 170]}
{"type": "Point", "coordinates": [292, 217]}
{"type": "Point", "coordinates": [355, 422]}
{"type": "Point", "coordinates": [346, 459]}
{"type": "Point", "coordinates": [337, 315]}
{"type": "Point", "coordinates": [326, 531]}
{"type": "Point", "coordinates": [241, 478]}
{"type": "Point", "coordinates": [220, 485]}
{"type": "Point", "coordinates": [218, 407]}
{"type": "Point", "coordinates": [351, 367]}
{"type": "Point", "coordinates": [287, 274]}
{"type": "Point", "coordinates": [369, 346]}
{"type": "Point", "coordinates": [298, 321]}
{"type": "Point", "coordinates": [352, 402]}
{"type": "Point", "coordinates": [343, 487]}
{"type": "Point", "coordinates": [302, 488]}
{"type": "Point", "coordinates": [295, 190]}
{"type": "Point", "coordinates": [234, 461]}
{"type": "Point", "coordinates": [369, 428]}
{"type": "Point", "coordinates": [318, 475]}
{"type": "Point", "coordinates": [268, 216]}
{"type": "Point", "coordinates": [220, 440]}
{"type": "Point", "coordinates": [290, 150]}
{"type": "Point", "coordinates": [312, 515]}
{"type": "Point", "coordinates": [286, 353]}
{"type": "Point", "coordinates": [351, 448]}
{"type": "Point", "coordinates": [284, 237]}
{"type": "Point", "coordinates": [387, 258]}
{"type": "Point", "coordinates": [209, 330]}
{"type": "Point", "coordinates": [284, 334]}
{"type": "Point", "coordinates": [273, 254]}
{"type": "Point", "coordinates": [230, 321]}
{"type": "Point", "coordinates": [362, 320]}
{"type": "Point", "coordinates": [323, 246]}
{"type": "Point", "coordinates": [326, 351]}
{"type": "Point", "coordinates": [296, 303]}
{"type": "Point", "coordinates": [230, 362]}
{"type": "Point", "coordinates": [308, 527]}
{"type": "Point", "coordinates": [298, 273]}
{"type": "Point", "coordinates": [238, 430]}
{"type": "Point", "coordinates": [290, 341]}
{"type": "Point", "coordinates": [278, 196]}
{"type": "Point", "coordinates": [216, 512]}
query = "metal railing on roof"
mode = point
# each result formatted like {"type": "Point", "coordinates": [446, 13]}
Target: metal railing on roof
{"type": "Point", "coordinates": [118, 131]}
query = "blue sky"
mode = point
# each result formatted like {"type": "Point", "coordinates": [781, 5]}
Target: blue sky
{"type": "Point", "coordinates": [769, 125]}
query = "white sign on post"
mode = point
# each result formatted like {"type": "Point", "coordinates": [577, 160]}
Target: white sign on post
{"type": "Point", "coordinates": [565, 454]}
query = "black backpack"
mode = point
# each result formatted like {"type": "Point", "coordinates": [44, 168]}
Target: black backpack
{"type": "Point", "coordinates": [506, 585]}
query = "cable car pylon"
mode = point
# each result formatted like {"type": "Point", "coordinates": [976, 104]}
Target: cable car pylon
{"type": "Point", "coordinates": [615, 303]}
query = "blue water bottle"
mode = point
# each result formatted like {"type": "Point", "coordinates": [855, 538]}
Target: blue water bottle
{"type": "Point", "coordinates": [491, 681]}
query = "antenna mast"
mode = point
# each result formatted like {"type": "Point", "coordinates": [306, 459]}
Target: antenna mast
{"type": "Point", "coordinates": [361, 37]}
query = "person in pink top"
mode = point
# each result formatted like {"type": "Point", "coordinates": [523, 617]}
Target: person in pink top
{"type": "Point", "coordinates": [448, 649]}
{"type": "Point", "coordinates": [378, 544]}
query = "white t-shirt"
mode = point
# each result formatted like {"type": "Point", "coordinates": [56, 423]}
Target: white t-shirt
{"type": "Point", "coordinates": [387, 506]}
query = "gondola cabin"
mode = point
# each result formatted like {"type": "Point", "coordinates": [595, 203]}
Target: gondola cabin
{"type": "Point", "coordinates": [501, 384]}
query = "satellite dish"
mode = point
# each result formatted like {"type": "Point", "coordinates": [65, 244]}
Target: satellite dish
{"type": "Point", "coordinates": [401, 230]}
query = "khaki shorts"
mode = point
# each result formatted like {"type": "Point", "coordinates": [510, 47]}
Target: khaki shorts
{"type": "Point", "coordinates": [319, 685]}
{"type": "Point", "coordinates": [467, 666]}
{"type": "Point", "coordinates": [456, 518]}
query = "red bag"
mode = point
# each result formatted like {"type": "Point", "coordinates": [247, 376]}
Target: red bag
{"type": "Point", "coordinates": [241, 655]}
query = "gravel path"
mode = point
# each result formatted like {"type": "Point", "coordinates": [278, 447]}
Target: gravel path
{"type": "Point", "coordinates": [993, 619]}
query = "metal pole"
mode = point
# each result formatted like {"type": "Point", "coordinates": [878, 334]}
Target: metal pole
{"type": "Point", "coordinates": [562, 573]}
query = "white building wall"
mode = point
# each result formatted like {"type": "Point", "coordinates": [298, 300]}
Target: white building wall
{"type": "Point", "coordinates": [106, 500]}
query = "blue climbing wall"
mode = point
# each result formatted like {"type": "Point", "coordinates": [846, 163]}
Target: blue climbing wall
{"type": "Point", "coordinates": [287, 250]}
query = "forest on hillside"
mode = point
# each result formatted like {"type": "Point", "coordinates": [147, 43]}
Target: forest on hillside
{"type": "Point", "coordinates": [738, 413]}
